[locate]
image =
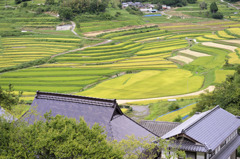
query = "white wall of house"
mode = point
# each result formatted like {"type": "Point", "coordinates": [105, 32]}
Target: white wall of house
{"type": "Point", "coordinates": [200, 155]}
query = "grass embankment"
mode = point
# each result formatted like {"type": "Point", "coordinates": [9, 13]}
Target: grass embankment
{"type": "Point", "coordinates": [162, 107]}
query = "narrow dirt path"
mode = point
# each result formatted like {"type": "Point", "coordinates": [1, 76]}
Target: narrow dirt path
{"type": "Point", "coordinates": [79, 49]}
{"type": "Point", "coordinates": [210, 89]}
{"type": "Point", "coordinates": [73, 28]}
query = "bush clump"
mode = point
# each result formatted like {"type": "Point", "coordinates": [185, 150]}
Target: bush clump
{"type": "Point", "coordinates": [173, 106]}
{"type": "Point", "coordinates": [217, 15]}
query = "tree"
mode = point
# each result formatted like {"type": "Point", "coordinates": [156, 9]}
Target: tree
{"type": "Point", "coordinates": [49, 2]}
{"type": "Point", "coordinates": [213, 7]}
{"type": "Point", "coordinates": [56, 137]}
{"type": "Point", "coordinates": [65, 13]}
{"type": "Point", "coordinates": [148, 147]}
{"type": "Point", "coordinates": [8, 98]}
{"type": "Point", "coordinates": [191, 1]}
{"type": "Point", "coordinates": [203, 5]}
{"type": "Point", "coordinates": [225, 95]}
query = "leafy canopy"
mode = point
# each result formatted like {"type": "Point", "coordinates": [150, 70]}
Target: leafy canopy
{"type": "Point", "coordinates": [225, 95]}
{"type": "Point", "coordinates": [56, 137]}
{"type": "Point", "coordinates": [8, 98]}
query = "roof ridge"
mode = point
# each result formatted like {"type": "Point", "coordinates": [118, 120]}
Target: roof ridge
{"type": "Point", "coordinates": [75, 96]}
{"type": "Point", "coordinates": [159, 121]}
{"type": "Point", "coordinates": [198, 120]}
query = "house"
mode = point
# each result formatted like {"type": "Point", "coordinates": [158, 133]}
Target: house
{"type": "Point", "coordinates": [94, 110]}
{"type": "Point", "coordinates": [124, 5]}
{"type": "Point", "coordinates": [209, 135]}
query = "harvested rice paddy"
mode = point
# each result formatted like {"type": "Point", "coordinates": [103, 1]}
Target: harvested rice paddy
{"type": "Point", "coordinates": [193, 53]}
{"type": "Point", "coordinates": [211, 44]}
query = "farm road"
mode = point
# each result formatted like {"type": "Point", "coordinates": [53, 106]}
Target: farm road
{"type": "Point", "coordinates": [210, 89]}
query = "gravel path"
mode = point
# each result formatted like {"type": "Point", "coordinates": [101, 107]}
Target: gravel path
{"type": "Point", "coordinates": [73, 28]}
{"type": "Point", "coordinates": [210, 89]}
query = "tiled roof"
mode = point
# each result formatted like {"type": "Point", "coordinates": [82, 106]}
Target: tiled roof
{"type": "Point", "coordinates": [188, 146]}
{"type": "Point", "coordinates": [228, 149]}
{"type": "Point", "coordinates": [209, 128]}
{"type": "Point", "coordinates": [94, 110]}
{"type": "Point", "coordinates": [159, 127]}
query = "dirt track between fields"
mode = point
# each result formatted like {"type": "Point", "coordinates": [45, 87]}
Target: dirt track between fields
{"type": "Point", "coordinates": [209, 89]}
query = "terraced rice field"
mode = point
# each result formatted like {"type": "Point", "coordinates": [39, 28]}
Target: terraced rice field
{"type": "Point", "coordinates": [216, 60]}
{"type": "Point", "coordinates": [182, 112]}
{"type": "Point", "coordinates": [234, 58]}
{"type": "Point", "coordinates": [227, 47]}
{"type": "Point", "coordinates": [136, 86]}
{"type": "Point", "coordinates": [234, 31]}
{"type": "Point", "coordinates": [233, 41]}
{"type": "Point", "coordinates": [221, 75]}
{"type": "Point", "coordinates": [19, 50]}
{"type": "Point", "coordinates": [193, 53]}
{"type": "Point", "coordinates": [213, 37]}
{"type": "Point", "coordinates": [223, 34]}
{"type": "Point", "coordinates": [53, 79]}
{"type": "Point", "coordinates": [184, 59]}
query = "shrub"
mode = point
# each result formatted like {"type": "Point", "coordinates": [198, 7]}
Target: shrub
{"type": "Point", "coordinates": [178, 119]}
{"type": "Point", "coordinates": [24, 4]}
{"type": "Point", "coordinates": [39, 10]}
{"type": "Point", "coordinates": [134, 10]}
{"type": "Point", "coordinates": [106, 16]}
{"type": "Point", "coordinates": [191, 1]}
{"type": "Point", "coordinates": [217, 15]}
{"type": "Point", "coordinates": [117, 14]}
{"type": "Point", "coordinates": [173, 106]}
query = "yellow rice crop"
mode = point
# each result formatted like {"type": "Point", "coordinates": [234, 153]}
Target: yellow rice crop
{"type": "Point", "coordinates": [215, 37]}
{"type": "Point", "coordinates": [234, 31]}
{"type": "Point", "coordinates": [234, 58]}
{"type": "Point", "coordinates": [225, 35]}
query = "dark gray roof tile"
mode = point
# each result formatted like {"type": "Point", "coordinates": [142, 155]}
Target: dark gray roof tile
{"type": "Point", "coordinates": [159, 127]}
{"type": "Point", "coordinates": [228, 149]}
